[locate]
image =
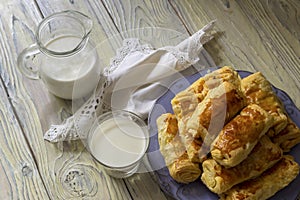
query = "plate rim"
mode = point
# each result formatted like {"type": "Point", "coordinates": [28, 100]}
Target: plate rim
{"type": "Point", "coordinates": [200, 73]}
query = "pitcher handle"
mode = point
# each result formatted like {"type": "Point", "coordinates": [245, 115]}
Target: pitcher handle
{"type": "Point", "coordinates": [26, 63]}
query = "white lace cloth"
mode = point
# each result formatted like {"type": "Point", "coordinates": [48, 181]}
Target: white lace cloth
{"type": "Point", "coordinates": [136, 77]}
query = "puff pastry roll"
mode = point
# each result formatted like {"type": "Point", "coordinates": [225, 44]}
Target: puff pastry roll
{"type": "Point", "coordinates": [172, 149]}
{"type": "Point", "coordinates": [263, 187]}
{"type": "Point", "coordinates": [219, 179]}
{"type": "Point", "coordinates": [185, 102]}
{"type": "Point", "coordinates": [258, 90]}
{"type": "Point", "coordinates": [195, 150]}
{"type": "Point", "coordinates": [240, 135]}
{"type": "Point", "coordinates": [218, 107]}
{"type": "Point", "coordinates": [288, 137]}
{"type": "Point", "coordinates": [193, 146]}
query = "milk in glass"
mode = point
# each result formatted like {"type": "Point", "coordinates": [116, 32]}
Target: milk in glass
{"type": "Point", "coordinates": [118, 142]}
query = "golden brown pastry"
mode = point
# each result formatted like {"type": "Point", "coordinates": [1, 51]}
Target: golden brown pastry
{"type": "Point", "coordinates": [266, 185]}
{"type": "Point", "coordinates": [219, 179]}
{"type": "Point", "coordinates": [172, 149]}
{"type": "Point", "coordinates": [288, 137]}
{"type": "Point", "coordinates": [192, 145]}
{"type": "Point", "coordinates": [217, 77]}
{"type": "Point", "coordinates": [196, 151]}
{"type": "Point", "coordinates": [240, 135]}
{"type": "Point", "coordinates": [258, 90]}
{"type": "Point", "coordinates": [218, 107]}
{"type": "Point", "coordinates": [185, 102]}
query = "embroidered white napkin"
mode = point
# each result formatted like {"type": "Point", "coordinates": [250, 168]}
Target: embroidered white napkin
{"type": "Point", "coordinates": [136, 77]}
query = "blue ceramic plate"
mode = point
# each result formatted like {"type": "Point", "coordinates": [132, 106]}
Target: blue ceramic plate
{"type": "Point", "coordinates": [197, 190]}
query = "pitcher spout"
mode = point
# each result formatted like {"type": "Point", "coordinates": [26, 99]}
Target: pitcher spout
{"type": "Point", "coordinates": [86, 21]}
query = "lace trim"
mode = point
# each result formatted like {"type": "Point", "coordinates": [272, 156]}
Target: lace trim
{"type": "Point", "coordinates": [187, 51]}
{"type": "Point", "coordinates": [77, 126]}
{"type": "Point", "coordinates": [129, 46]}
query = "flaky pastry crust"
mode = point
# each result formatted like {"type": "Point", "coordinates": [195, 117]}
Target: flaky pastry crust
{"type": "Point", "coordinates": [172, 149]}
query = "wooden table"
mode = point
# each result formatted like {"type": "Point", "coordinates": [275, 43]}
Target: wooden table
{"type": "Point", "coordinates": [253, 35]}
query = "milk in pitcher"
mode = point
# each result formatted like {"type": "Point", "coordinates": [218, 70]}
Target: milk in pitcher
{"type": "Point", "coordinates": [74, 76]}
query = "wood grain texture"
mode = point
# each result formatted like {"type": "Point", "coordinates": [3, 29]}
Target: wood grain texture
{"type": "Point", "coordinates": [247, 38]}
{"type": "Point", "coordinates": [280, 40]}
{"type": "Point", "coordinates": [67, 170]}
{"type": "Point", "coordinates": [104, 33]}
{"type": "Point", "coordinates": [138, 14]}
{"type": "Point", "coordinates": [20, 176]}
{"type": "Point", "coordinates": [252, 35]}
{"type": "Point", "coordinates": [17, 25]}
{"type": "Point", "coordinates": [142, 185]}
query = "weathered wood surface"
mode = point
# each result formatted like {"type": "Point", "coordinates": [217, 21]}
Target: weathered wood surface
{"type": "Point", "coordinates": [252, 35]}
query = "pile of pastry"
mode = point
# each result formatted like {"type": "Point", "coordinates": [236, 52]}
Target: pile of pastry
{"type": "Point", "coordinates": [232, 133]}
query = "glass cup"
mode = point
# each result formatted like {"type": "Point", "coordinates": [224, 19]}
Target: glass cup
{"type": "Point", "coordinates": [118, 140]}
{"type": "Point", "coordinates": [63, 55]}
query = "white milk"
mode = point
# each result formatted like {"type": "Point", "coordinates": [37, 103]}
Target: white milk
{"type": "Point", "coordinates": [62, 74]}
{"type": "Point", "coordinates": [118, 142]}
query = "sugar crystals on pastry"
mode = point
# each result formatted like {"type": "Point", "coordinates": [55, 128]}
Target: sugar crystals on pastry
{"type": "Point", "coordinates": [219, 179]}
{"type": "Point", "coordinates": [240, 135]}
{"type": "Point", "coordinates": [267, 184]}
{"type": "Point", "coordinates": [218, 107]}
{"type": "Point", "coordinates": [258, 90]}
{"type": "Point", "coordinates": [185, 102]}
{"type": "Point", "coordinates": [221, 103]}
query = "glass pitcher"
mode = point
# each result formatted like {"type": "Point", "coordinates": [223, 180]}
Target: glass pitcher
{"type": "Point", "coordinates": [63, 55]}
